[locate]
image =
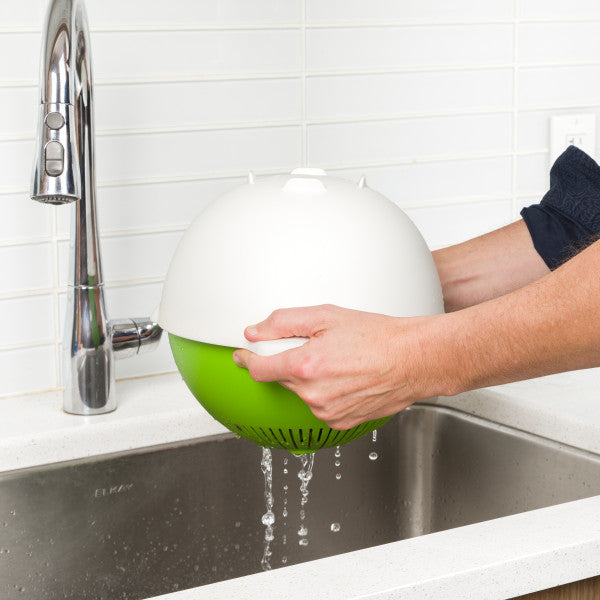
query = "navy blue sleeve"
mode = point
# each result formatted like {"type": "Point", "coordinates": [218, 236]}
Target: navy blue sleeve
{"type": "Point", "coordinates": [568, 217]}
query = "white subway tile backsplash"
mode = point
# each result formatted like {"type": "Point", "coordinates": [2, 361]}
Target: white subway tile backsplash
{"type": "Point", "coordinates": [16, 158]}
{"type": "Point", "coordinates": [352, 49]}
{"type": "Point", "coordinates": [427, 99]}
{"type": "Point", "coordinates": [150, 156]}
{"type": "Point", "coordinates": [151, 206]}
{"type": "Point", "coordinates": [27, 320]}
{"type": "Point", "coordinates": [23, 13]}
{"type": "Point", "coordinates": [408, 139]}
{"type": "Point", "coordinates": [197, 13]}
{"type": "Point", "coordinates": [28, 369]}
{"type": "Point", "coordinates": [416, 184]}
{"type": "Point", "coordinates": [544, 42]}
{"type": "Point", "coordinates": [129, 257]}
{"type": "Point", "coordinates": [136, 300]}
{"type": "Point", "coordinates": [533, 175]}
{"type": "Point", "coordinates": [558, 9]}
{"type": "Point", "coordinates": [446, 225]}
{"type": "Point", "coordinates": [197, 104]}
{"type": "Point", "coordinates": [359, 11]}
{"type": "Point", "coordinates": [22, 218]}
{"type": "Point", "coordinates": [526, 201]}
{"type": "Point", "coordinates": [23, 48]}
{"type": "Point", "coordinates": [26, 267]}
{"type": "Point", "coordinates": [169, 54]}
{"type": "Point", "coordinates": [404, 94]}
{"type": "Point", "coordinates": [18, 111]}
{"type": "Point", "coordinates": [559, 86]}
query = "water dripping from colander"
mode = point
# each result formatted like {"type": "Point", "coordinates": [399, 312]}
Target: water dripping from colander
{"type": "Point", "coordinates": [268, 519]}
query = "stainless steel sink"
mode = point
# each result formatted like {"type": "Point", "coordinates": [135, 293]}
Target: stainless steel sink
{"type": "Point", "coordinates": [142, 523]}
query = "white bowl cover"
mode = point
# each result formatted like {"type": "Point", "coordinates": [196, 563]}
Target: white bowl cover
{"type": "Point", "coordinates": [295, 240]}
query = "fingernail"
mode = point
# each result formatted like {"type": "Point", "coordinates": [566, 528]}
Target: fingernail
{"type": "Point", "coordinates": [252, 330]}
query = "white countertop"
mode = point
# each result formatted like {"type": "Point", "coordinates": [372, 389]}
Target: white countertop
{"type": "Point", "coordinates": [496, 559]}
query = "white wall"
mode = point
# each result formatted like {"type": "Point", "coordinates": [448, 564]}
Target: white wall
{"type": "Point", "coordinates": [443, 105]}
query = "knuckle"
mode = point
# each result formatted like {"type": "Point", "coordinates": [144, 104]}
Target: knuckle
{"type": "Point", "coordinates": [277, 317]}
{"type": "Point", "coordinates": [322, 410]}
{"type": "Point", "coordinates": [255, 369]}
{"type": "Point", "coordinates": [327, 310]}
{"type": "Point", "coordinates": [305, 369]}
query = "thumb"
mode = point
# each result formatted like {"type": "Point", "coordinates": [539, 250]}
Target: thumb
{"type": "Point", "coordinates": [290, 322]}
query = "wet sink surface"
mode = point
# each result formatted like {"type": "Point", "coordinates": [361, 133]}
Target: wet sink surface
{"type": "Point", "coordinates": [143, 523]}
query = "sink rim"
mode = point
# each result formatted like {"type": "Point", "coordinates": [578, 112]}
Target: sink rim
{"type": "Point", "coordinates": [225, 435]}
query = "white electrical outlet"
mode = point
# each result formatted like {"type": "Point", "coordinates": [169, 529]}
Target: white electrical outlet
{"type": "Point", "coordinates": [572, 130]}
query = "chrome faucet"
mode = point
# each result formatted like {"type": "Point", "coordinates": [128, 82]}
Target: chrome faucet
{"type": "Point", "coordinates": [64, 173]}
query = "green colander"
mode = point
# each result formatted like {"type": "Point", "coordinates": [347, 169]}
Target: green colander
{"type": "Point", "coordinates": [266, 413]}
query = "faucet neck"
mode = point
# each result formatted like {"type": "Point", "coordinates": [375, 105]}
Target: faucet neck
{"type": "Point", "coordinates": [66, 89]}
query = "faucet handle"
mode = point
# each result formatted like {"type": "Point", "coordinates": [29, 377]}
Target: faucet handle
{"type": "Point", "coordinates": [134, 336]}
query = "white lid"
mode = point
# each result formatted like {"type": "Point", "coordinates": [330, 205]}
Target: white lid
{"type": "Point", "coordinates": [295, 240]}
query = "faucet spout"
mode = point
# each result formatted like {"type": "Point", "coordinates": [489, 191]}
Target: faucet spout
{"type": "Point", "coordinates": [64, 173]}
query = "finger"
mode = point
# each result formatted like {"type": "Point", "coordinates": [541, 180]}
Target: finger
{"type": "Point", "coordinates": [290, 322]}
{"type": "Point", "coordinates": [264, 368]}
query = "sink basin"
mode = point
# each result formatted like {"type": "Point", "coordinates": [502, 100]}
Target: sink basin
{"type": "Point", "coordinates": [143, 523]}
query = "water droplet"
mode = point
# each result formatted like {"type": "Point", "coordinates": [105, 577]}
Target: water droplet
{"type": "Point", "coordinates": [284, 512]}
{"type": "Point", "coordinates": [285, 471]}
{"type": "Point", "coordinates": [237, 523]}
{"type": "Point", "coordinates": [338, 475]}
{"type": "Point", "coordinates": [373, 456]}
{"type": "Point", "coordinates": [285, 487]}
{"type": "Point", "coordinates": [303, 541]}
{"type": "Point", "coordinates": [335, 527]}
{"type": "Point", "coordinates": [303, 530]}
{"type": "Point", "coordinates": [268, 518]}
{"type": "Point", "coordinates": [374, 435]}
{"type": "Point", "coordinates": [337, 452]}
{"type": "Point", "coordinates": [337, 463]}
{"type": "Point", "coordinates": [284, 559]}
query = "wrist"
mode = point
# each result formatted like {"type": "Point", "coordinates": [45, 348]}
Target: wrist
{"type": "Point", "coordinates": [427, 350]}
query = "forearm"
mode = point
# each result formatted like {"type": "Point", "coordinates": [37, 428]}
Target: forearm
{"type": "Point", "coordinates": [550, 326]}
{"type": "Point", "coordinates": [488, 266]}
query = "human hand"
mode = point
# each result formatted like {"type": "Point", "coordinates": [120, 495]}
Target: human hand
{"type": "Point", "coordinates": [356, 366]}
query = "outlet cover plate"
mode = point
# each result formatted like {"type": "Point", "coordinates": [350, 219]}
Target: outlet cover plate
{"type": "Point", "coordinates": [572, 130]}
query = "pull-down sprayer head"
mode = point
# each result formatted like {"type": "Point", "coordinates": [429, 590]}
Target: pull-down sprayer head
{"type": "Point", "coordinates": [56, 173]}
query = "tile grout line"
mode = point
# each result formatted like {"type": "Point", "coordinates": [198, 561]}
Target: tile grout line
{"type": "Point", "coordinates": [229, 77]}
{"type": "Point", "coordinates": [336, 24]}
{"type": "Point", "coordinates": [515, 110]}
